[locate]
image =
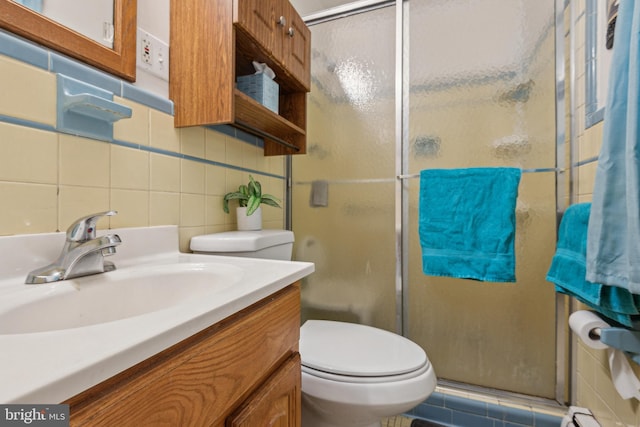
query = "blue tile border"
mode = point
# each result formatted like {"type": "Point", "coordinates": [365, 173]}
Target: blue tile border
{"type": "Point", "coordinates": [460, 404]}
{"type": "Point", "coordinates": [519, 417]}
{"type": "Point", "coordinates": [238, 134]}
{"type": "Point", "coordinates": [31, 53]}
{"type": "Point", "coordinates": [544, 420]}
{"type": "Point", "coordinates": [26, 51]}
{"type": "Point", "coordinates": [466, 419]}
{"type": "Point", "coordinates": [456, 411]}
{"type": "Point", "coordinates": [436, 399]}
{"type": "Point", "coordinates": [22, 50]}
{"type": "Point", "coordinates": [26, 123]}
{"type": "Point", "coordinates": [497, 412]}
{"type": "Point", "coordinates": [147, 98]}
{"type": "Point", "coordinates": [193, 158]}
{"type": "Point", "coordinates": [49, 128]}
{"type": "Point", "coordinates": [63, 65]}
{"type": "Point", "coordinates": [433, 413]}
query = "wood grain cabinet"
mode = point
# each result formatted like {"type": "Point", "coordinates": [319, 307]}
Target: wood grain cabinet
{"type": "Point", "coordinates": [277, 26]}
{"type": "Point", "coordinates": [242, 371]}
{"type": "Point", "coordinates": [276, 403]}
{"type": "Point", "coordinates": [215, 41]}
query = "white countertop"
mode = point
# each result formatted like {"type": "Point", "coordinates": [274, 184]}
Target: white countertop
{"type": "Point", "coordinates": [50, 367]}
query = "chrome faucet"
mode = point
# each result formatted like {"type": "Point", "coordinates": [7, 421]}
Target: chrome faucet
{"type": "Point", "coordinates": [83, 253]}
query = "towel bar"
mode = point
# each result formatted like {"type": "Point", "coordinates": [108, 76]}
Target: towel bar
{"type": "Point", "coordinates": [385, 180]}
{"type": "Point", "coordinates": [417, 175]}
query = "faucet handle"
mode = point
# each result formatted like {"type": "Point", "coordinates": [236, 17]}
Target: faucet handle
{"type": "Point", "coordinates": [85, 228]}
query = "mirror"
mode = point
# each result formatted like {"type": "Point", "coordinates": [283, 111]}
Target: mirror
{"type": "Point", "coordinates": [93, 19]}
{"type": "Point", "coordinates": [119, 60]}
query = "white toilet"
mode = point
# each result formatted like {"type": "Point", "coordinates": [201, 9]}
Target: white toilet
{"type": "Point", "coordinates": [352, 375]}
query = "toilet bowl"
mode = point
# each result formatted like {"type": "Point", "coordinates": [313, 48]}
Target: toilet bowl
{"type": "Point", "coordinates": [352, 375]}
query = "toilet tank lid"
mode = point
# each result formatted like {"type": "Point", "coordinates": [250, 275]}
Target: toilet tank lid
{"type": "Point", "coordinates": [240, 241]}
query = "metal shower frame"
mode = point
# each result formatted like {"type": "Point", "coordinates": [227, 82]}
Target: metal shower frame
{"type": "Point", "coordinates": [562, 386]}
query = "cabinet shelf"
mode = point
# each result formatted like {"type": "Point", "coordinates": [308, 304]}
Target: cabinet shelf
{"type": "Point", "coordinates": [215, 41]}
{"type": "Point", "coordinates": [253, 113]}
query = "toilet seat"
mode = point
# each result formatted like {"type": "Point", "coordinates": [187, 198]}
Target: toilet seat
{"type": "Point", "coordinates": [364, 380]}
{"type": "Point", "coordinates": [348, 352]}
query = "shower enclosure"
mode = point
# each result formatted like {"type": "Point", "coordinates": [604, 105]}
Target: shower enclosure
{"type": "Point", "coordinates": [438, 84]}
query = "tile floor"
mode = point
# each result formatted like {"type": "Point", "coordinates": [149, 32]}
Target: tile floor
{"type": "Point", "coordinates": [398, 421]}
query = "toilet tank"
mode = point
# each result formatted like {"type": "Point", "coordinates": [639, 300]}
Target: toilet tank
{"type": "Point", "coordinates": [268, 244]}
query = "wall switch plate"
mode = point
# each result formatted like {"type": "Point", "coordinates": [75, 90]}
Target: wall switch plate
{"type": "Point", "coordinates": [153, 55]}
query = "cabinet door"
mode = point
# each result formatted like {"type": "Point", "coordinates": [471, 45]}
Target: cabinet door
{"type": "Point", "coordinates": [258, 18]}
{"type": "Point", "coordinates": [277, 403]}
{"type": "Point", "coordinates": [297, 47]}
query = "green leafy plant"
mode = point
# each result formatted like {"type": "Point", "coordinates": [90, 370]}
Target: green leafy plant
{"type": "Point", "coordinates": [250, 196]}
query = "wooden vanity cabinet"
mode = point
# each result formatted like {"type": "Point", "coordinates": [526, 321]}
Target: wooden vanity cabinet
{"type": "Point", "coordinates": [242, 371]}
{"type": "Point", "coordinates": [215, 41]}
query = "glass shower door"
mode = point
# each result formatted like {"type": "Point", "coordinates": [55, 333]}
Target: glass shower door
{"type": "Point", "coordinates": [344, 187]}
{"type": "Point", "coordinates": [482, 94]}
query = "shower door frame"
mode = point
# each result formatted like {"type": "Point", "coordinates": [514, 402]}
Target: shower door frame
{"type": "Point", "coordinates": [562, 347]}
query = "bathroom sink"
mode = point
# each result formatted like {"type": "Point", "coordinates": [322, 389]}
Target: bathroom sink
{"type": "Point", "coordinates": [120, 294]}
{"type": "Point", "coordinates": [59, 339]}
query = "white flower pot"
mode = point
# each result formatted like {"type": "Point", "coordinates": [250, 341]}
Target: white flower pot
{"type": "Point", "coordinates": [249, 223]}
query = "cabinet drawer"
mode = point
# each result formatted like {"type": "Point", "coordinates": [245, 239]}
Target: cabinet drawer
{"type": "Point", "coordinates": [201, 380]}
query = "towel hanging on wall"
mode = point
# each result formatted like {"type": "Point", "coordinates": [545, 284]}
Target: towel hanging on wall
{"type": "Point", "coordinates": [568, 268]}
{"type": "Point", "coordinates": [613, 246]}
{"type": "Point", "coordinates": [467, 222]}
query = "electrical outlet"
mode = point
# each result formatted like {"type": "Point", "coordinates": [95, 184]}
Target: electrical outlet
{"type": "Point", "coordinates": [153, 55]}
{"type": "Point", "coordinates": [145, 50]}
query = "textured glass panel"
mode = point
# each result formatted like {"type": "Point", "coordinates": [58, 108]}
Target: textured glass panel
{"type": "Point", "coordinates": [482, 83]}
{"type": "Point", "coordinates": [308, 7]}
{"type": "Point", "coordinates": [350, 144]}
{"type": "Point", "coordinates": [482, 94]}
{"type": "Point", "coordinates": [497, 335]}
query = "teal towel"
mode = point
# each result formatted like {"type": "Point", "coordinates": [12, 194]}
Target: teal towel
{"type": "Point", "coordinates": [613, 252]}
{"type": "Point", "coordinates": [467, 222]}
{"type": "Point", "coordinates": [568, 270]}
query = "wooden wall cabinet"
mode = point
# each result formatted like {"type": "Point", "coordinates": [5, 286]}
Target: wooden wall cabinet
{"type": "Point", "coordinates": [277, 26]}
{"type": "Point", "coordinates": [242, 371]}
{"type": "Point", "coordinates": [214, 41]}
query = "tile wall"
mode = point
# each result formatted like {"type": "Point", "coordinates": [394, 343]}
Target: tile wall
{"type": "Point", "coordinates": [151, 172]}
{"type": "Point", "coordinates": [155, 174]}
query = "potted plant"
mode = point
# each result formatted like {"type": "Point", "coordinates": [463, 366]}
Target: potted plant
{"type": "Point", "coordinates": [249, 197]}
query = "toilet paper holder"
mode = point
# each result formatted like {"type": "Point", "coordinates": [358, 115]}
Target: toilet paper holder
{"type": "Point", "coordinates": [623, 339]}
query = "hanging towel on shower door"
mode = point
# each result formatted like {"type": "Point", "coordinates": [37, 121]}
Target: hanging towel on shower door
{"type": "Point", "coordinates": [467, 222]}
{"type": "Point", "coordinates": [613, 241]}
